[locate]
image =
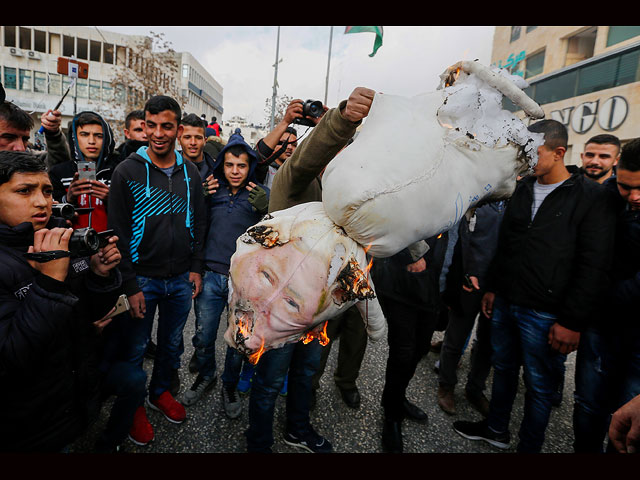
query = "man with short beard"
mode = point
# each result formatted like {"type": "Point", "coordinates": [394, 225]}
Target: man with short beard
{"type": "Point", "coordinates": [601, 155]}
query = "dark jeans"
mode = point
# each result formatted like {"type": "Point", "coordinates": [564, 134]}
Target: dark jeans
{"type": "Point", "coordinates": [409, 337]}
{"type": "Point", "coordinates": [172, 298]}
{"type": "Point", "coordinates": [233, 362]}
{"type": "Point", "coordinates": [350, 329]}
{"type": "Point", "coordinates": [301, 362]}
{"type": "Point", "coordinates": [519, 336]}
{"type": "Point", "coordinates": [208, 306]}
{"type": "Point", "coordinates": [607, 376]}
{"type": "Point", "coordinates": [458, 330]}
{"type": "Point", "coordinates": [128, 383]}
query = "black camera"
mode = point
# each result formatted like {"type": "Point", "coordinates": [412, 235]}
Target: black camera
{"type": "Point", "coordinates": [63, 210]}
{"type": "Point", "coordinates": [310, 109]}
{"type": "Point", "coordinates": [84, 242]}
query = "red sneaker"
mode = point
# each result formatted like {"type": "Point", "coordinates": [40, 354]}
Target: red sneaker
{"type": "Point", "coordinates": [141, 431]}
{"type": "Point", "coordinates": [171, 409]}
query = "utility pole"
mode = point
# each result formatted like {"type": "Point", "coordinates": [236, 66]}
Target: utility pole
{"type": "Point", "coordinates": [326, 85]}
{"type": "Point", "coordinates": [275, 82]}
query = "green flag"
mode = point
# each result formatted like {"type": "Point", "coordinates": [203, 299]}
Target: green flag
{"type": "Point", "coordinates": [377, 30]}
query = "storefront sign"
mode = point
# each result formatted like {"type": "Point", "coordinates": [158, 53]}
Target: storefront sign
{"type": "Point", "coordinates": [610, 115]}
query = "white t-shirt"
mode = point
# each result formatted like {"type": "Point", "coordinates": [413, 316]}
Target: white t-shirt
{"type": "Point", "coordinates": [268, 181]}
{"type": "Point", "coordinates": [540, 192]}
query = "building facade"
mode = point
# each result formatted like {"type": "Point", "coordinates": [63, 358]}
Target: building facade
{"type": "Point", "coordinates": [28, 71]}
{"type": "Point", "coordinates": [587, 77]}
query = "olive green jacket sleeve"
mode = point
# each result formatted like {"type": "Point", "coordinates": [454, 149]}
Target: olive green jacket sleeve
{"type": "Point", "coordinates": [297, 180]}
{"type": "Point", "coordinates": [57, 148]}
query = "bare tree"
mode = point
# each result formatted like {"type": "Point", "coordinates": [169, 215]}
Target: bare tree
{"type": "Point", "coordinates": [282, 102]}
{"type": "Point", "coordinates": [152, 68]}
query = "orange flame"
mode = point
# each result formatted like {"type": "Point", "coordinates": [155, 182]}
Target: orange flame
{"type": "Point", "coordinates": [254, 357]}
{"type": "Point", "coordinates": [321, 336]}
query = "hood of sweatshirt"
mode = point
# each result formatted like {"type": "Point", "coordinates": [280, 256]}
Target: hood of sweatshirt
{"type": "Point", "coordinates": [236, 140]}
{"type": "Point", "coordinates": [108, 143]}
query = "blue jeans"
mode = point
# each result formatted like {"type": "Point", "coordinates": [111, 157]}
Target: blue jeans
{"type": "Point", "coordinates": [208, 306]}
{"type": "Point", "coordinates": [233, 362]}
{"type": "Point", "coordinates": [172, 298]}
{"type": "Point", "coordinates": [519, 336]}
{"type": "Point", "coordinates": [607, 376]}
{"type": "Point", "coordinates": [301, 362]}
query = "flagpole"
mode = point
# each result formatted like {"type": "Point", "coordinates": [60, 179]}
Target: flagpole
{"type": "Point", "coordinates": [326, 87]}
{"type": "Point", "coordinates": [275, 83]}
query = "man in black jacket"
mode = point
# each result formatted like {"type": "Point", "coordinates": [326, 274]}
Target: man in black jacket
{"type": "Point", "coordinates": [51, 310]}
{"type": "Point", "coordinates": [554, 252]}
{"type": "Point", "coordinates": [608, 361]}
{"type": "Point", "coordinates": [157, 208]}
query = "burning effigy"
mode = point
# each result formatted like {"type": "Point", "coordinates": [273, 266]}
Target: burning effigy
{"type": "Point", "coordinates": [292, 272]}
{"type": "Point", "coordinates": [417, 165]}
{"type": "Point", "coordinates": [441, 153]}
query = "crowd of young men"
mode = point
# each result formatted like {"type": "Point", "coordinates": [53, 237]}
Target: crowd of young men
{"type": "Point", "coordinates": [563, 275]}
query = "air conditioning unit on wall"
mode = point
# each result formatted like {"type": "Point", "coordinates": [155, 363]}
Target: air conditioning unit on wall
{"type": "Point", "coordinates": [33, 55]}
{"type": "Point", "coordinates": [15, 51]}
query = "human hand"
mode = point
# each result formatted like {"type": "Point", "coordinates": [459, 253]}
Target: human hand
{"type": "Point", "coordinates": [51, 120]}
{"type": "Point", "coordinates": [78, 187]}
{"type": "Point", "coordinates": [104, 321]}
{"type": "Point", "coordinates": [196, 281]}
{"type": "Point", "coordinates": [210, 185]}
{"type": "Point", "coordinates": [99, 190]}
{"type": "Point", "coordinates": [417, 267]}
{"type": "Point", "coordinates": [258, 198]}
{"type": "Point", "coordinates": [486, 304]}
{"type": "Point", "coordinates": [293, 111]}
{"type": "Point", "coordinates": [624, 429]}
{"type": "Point", "coordinates": [46, 240]}
{"type": "Point", "coordinates": [475, 285]}
{"type": "Point", "coordinates": [562, 339]}
{"type": "Point", "coordinates": [106, 259]}
{"type": "Point", "coordinates": [137, 304]}
{"type": "Point", "coordinates": [358, 104]}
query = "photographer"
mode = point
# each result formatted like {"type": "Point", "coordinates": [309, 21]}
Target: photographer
{"type": "Point", "coordinates": [274, 149]}
{"type": "Point", "coordinates": [51, 313]}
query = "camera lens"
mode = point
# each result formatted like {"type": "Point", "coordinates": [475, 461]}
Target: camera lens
{"type": "Point", "coordinates": [64, 210]}
{"type": "Point", "coordinates": [84, 242]}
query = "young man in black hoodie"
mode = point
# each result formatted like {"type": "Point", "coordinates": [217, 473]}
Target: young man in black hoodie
{"type": "Point", "coordinates": [51, 312]}
{"type": "Point", "coordinates": [157, 208]}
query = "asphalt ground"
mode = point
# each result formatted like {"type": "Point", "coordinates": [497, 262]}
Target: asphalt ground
{"type": "Point", "coordinates": [208, 430]}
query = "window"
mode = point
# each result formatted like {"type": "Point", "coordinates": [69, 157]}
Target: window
{"type": "Point", "coordinates": [83, 49]}
{"type": "Point", "coordinates": [619, 34]}
{"type": "Point", "coordinates": [185, 70]}
{"type": "Point", "coordinates": [40, 41]}
{"type": "Point", "coordinates": [54, 44]}
{"type": "Point", "coordinates": [68, 46]}
{"type": "Point", "coordinates": [82, 88]}
{"type": "Point", "coordinates": [24, 79]}
{"type": "Point", "coordinates": [515, 33]}
{"type": "Point", "coordinates": [107, 91]}
{"type": "Point", "coordinates": [534, 65]}
{"type": "Point", "coordinates": [55, 84]}
{"type": "Point", "coordinates": [120, 93]}
{"type": "Point", "coordinates": [121, 55]}
{"type": "Point", "coordinates": [25, 38]}
{"type": "Point", "coordinates": [94, 90]}
{"type": "Point", "coordinates": [66, 81]}
{"type": "Point", "coordinates": [557, 88]}
{"type": "Point", "coordinates": [109, 49]}
{"type": "Point", "coordinates": [9, 36]}
{"type": "Point", "coordinates": [597, 76]}
{"type": "Point", "coordinates": [9, 78]}
{"type": "Point", "coordinates": [40, 82]}
{"type": "Point", "coordinates": [95, 51]}
{"type": "Point", "coordinates": [629, 68]}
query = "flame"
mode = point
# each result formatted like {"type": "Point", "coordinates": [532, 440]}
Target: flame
{"type": "Point", "coordinates": [452, 77]}
{"type": "Point", "coordinates": [439, 236]}
{"type": "Point", "coordinates": [320, 335]}
{"type": "Point", "coordinates": [254, 357]}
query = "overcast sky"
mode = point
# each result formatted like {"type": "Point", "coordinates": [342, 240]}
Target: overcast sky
{"type": "Point", "coordinates": [241, 59]}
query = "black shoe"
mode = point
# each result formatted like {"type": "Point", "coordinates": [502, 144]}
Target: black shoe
{"type": "Point", "coordinates": [150, 352]}
{"type": "Point", "coordinates": [413, 412]}
{"type": "Point", "coordinates": [481, 431]}
{"type": "Point", "coordinates": [193, 364]}
{"type": "Point", "coordinates": [392, 436]}
{"type": "Point", "coordinates": [351, 397]}
{"type": "Point", "coordinates": [174, 387]}
{"type": "Point", "coordinates": [311, 442]}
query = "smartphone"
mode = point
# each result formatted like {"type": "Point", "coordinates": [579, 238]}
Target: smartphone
{"type": "Point", "coordinates": [87, 170]}
{"type": "Point", "coordinates": [122, 305]}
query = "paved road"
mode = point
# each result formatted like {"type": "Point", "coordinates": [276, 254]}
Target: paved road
{"type": "Point", "coordinates": [208, 430]}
